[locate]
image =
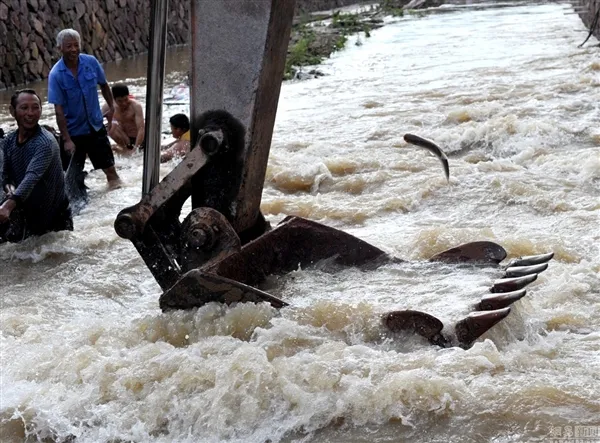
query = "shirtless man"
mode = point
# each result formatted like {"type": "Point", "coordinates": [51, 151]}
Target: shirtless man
{"type": "Point", "coordinates": [128, 121]}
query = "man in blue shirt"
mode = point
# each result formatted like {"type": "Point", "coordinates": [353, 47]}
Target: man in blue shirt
{"type": "Point", "coordinates": [32, 175]}
{"type": "Point", "coordinates": [73, 90]}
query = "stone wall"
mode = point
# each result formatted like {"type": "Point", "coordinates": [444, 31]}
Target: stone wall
{"type": "Point", "coordinates": [110, 30]}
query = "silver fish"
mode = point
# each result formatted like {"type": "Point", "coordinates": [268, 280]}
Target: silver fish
{"type": "Point", "coordinates": [431, 147]}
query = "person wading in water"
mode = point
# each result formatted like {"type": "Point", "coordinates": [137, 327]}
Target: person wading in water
{"type": "Point", "coordinates": [73, 90]}
{"type": "Point", "coordinates": [32, 176]}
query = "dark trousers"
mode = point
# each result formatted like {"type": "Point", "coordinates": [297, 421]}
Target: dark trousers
{"type": "Point", "coordinates": [94, 145]}
{"type": "Point", "coordinates": [22, 225]}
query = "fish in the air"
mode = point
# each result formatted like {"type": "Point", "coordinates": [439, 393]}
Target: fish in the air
{"type": "Point", "coordinates": [431, 147]}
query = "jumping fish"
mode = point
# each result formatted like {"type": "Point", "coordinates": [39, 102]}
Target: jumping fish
{"type": "Point", "coordinates": [431, 147]}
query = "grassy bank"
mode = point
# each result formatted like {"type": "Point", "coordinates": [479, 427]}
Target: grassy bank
{"type": "Point", "coordinates": [315, 37]}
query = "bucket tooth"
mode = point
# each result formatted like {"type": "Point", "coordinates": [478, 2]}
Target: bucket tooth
{"type": "Point", "coordinates": [501, 300]}
{"type": "Point", "coordinates": [520, 271]}
{"type": "Point", "coordinates": [416, 322]}
{"type": "Point", "coordinates": [530, 260]}
{"type": "Point", "coordinates": [476, 324]}
{"type": "Point", "coordinates": [483, 252]}
{"type": "Point", "coordinates": [512, 284]}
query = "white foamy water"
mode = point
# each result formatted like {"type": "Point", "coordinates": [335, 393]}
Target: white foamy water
{"type": "Point", "coordinates": [87, 353]}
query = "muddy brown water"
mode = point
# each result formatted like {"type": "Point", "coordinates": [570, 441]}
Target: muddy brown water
{"type": "Point", "coordinates": [86, 352]}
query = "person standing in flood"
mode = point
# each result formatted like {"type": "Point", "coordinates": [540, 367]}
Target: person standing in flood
{"type": "Point", "coordinates": [32, 175]}
{"type": "Point", "coordinates": [73, 90]}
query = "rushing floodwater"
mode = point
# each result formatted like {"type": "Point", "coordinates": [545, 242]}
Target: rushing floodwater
{"type": "Point", "coordinates": [86, 352]}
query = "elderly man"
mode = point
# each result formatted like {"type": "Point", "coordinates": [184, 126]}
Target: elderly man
{"type": "Point", "coordinates": [73, 90]}
{"type": "Point", "coordinates": [33, 178]}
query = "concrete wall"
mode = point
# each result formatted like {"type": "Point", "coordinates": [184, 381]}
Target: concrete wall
{"type": "Point", "coordinates": [110, 30]}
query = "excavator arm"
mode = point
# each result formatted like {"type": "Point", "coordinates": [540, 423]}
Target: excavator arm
{"type": "Point", "coordinates": [224, 247]}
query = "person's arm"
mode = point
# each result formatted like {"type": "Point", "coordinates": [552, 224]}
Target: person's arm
{"type": "Point", "coordinates": [140, 124]}
{"type": "Point", "coordinates": [107, 94]}
{"type": "Point", "coordinates": [6, 209]}
{"type": "Point", "coordinates": [61, 122]}
{"type": "Point", "coordinates": [168, 154]}
{"type": "Point", "coordinates": [4, 172]}
{"type": "Point", "coordinates": [57, 97]}
{"type": "Point", "coordinates": [7, 181]}
{"type": "Point", "coordinates": [181, 148]}
{"type": "Point", "coordinates": [168, 146]}
{"type": "Point", "coordinates": [35, 171]}
{"type": "Point", "coordinates": [8, 204]}
{"type": "Point", "coordinates": [178, 149]}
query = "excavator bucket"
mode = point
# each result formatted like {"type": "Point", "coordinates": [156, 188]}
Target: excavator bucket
{"type": "Point", "coordinates": [224, 247]}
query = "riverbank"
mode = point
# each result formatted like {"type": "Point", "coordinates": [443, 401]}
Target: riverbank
{"type": "Point", "coordinates": [315, 36]}
{"type": "Point", "coordinates": [111, 30]}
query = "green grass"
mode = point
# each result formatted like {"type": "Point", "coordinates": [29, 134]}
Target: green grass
{"type": "Point", "coordinates": [308, 48]}
{"type": "Point", "coordinates": [346, 21]}
{"type": "Point", "coordinates": [389, 7]}
{"type": "Point", "coordinates": [301, 53]}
